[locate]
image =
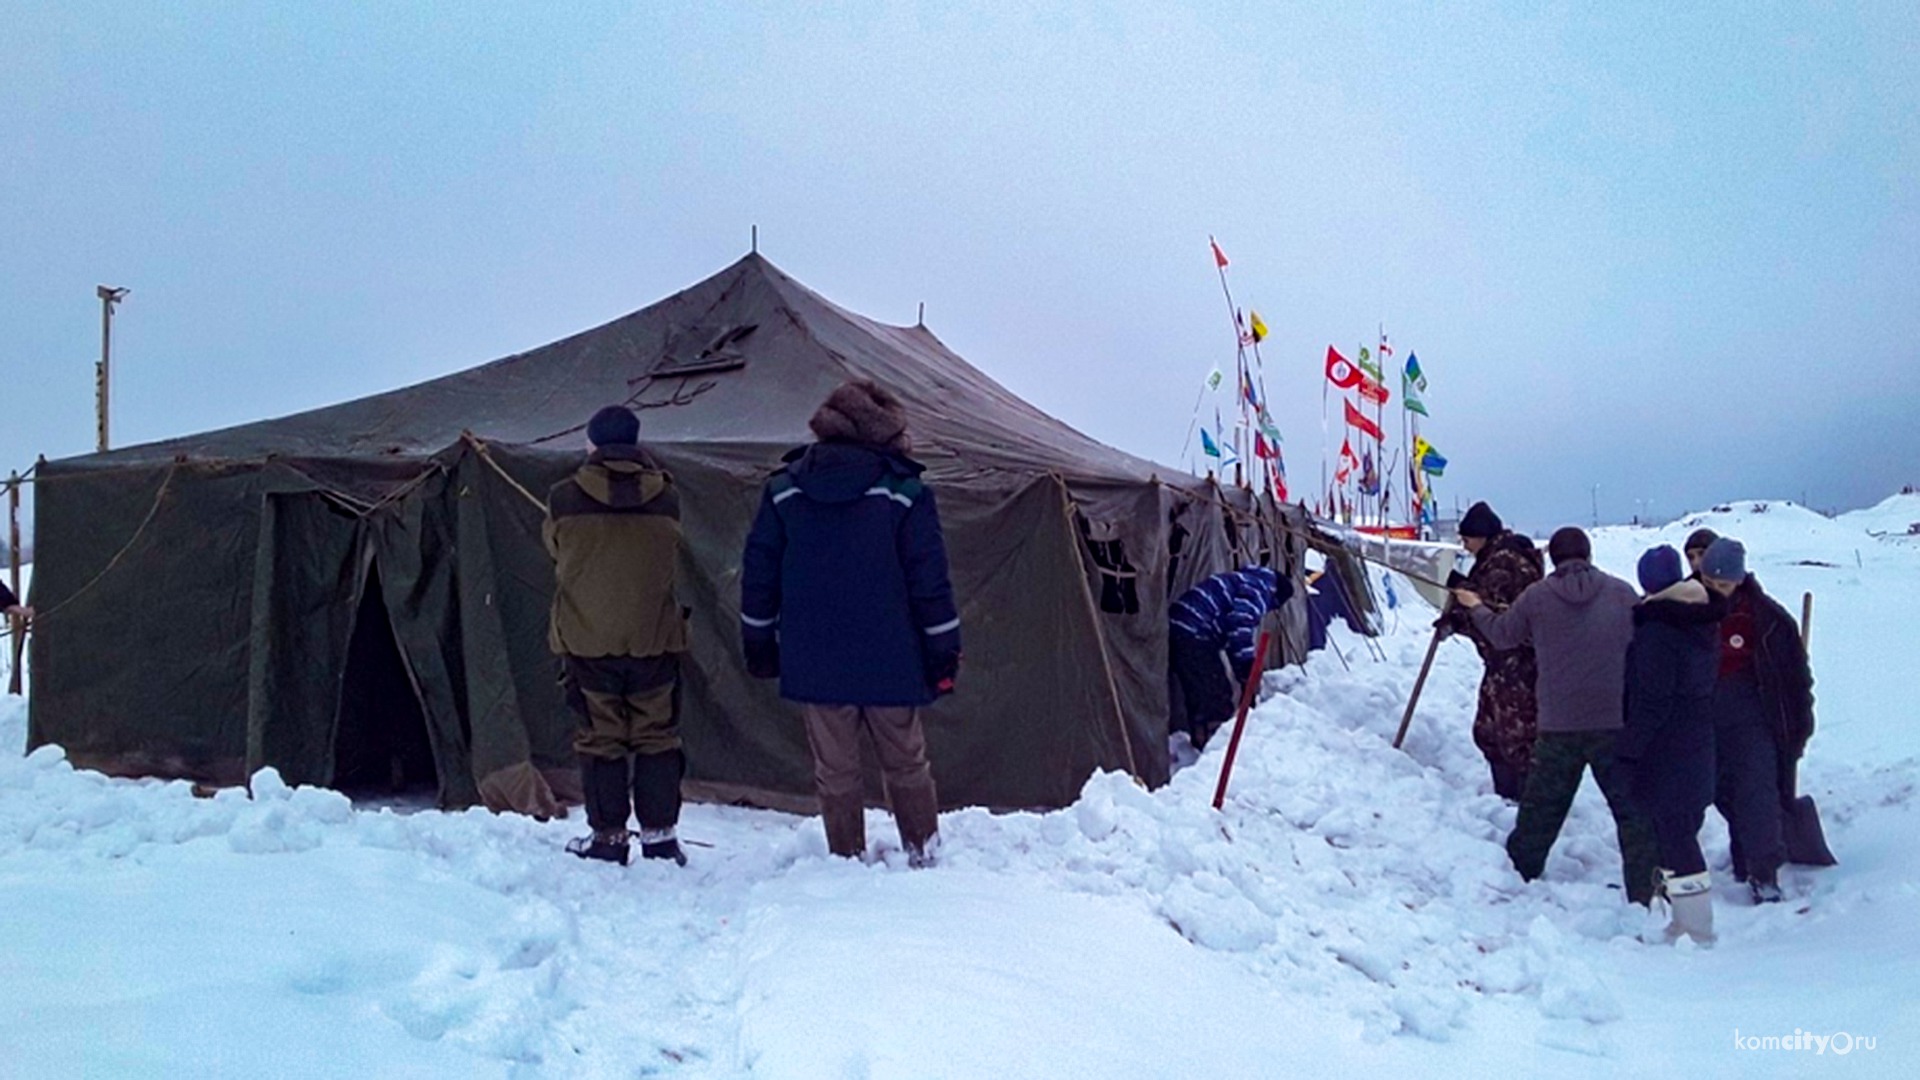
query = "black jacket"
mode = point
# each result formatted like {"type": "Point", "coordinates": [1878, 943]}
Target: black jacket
{"type": "Point", "coordinates": [1780, 665]}
{"type": "Point", "coordinates": [1672, 664]}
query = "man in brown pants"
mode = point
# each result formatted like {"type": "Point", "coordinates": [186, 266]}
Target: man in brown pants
{"type": "Point", "coordinates": [613, 529]}
{"type": "Point", "coordinates": [844, 596]}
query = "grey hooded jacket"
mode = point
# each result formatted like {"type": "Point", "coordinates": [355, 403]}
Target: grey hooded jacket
{"type": "Point", "coordinates": [1579, 620]}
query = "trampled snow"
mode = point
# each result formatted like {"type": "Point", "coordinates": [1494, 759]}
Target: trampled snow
{"type": "Point", "coordinates": [1351, 908]}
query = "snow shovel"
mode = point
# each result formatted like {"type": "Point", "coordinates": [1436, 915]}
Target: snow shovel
{"type": "Point", "coordinates": [1799, 817]}
{"type": "Point", "coordinates": [1806, 842]}
{"type": "Point", "coordinates": [1800, 824]}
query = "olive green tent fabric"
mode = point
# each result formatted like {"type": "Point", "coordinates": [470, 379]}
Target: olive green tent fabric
{"type": "Point", "coordinates": [199, 597]}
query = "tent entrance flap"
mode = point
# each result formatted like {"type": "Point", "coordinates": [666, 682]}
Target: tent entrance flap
{"type": "Point", "coordinates": [381, 747]}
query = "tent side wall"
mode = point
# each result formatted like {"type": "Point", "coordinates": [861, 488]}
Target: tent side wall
{"type": "Point", "coordinates": [145, 585]}
{"type": "Point", "coordinates": [1034, 714]}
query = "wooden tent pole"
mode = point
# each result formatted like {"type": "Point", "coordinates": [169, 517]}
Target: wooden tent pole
{"type": "Point", "coordinates": [1806, 619]}
{"type": "Point", "coordinates": [1419, 684]}
{"type": "Point", "coordinates": [1254, 675]}
{"type": "Point", "coordinates": [19, 625]}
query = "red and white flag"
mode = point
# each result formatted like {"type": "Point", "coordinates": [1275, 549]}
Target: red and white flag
{"type": "Point", "coordinates": [1340, 370]}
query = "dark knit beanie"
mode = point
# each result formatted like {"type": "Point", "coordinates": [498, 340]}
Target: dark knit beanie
{"type": "Point", "coordinates": [1569, 544]}
{"type": "Point", "coordinates": [1700, 540]}
{"type": "Point", "coordinates": [1481, 521]}
{"type": "Point", "coordinates": [1660, 567]}
{"type": "Point", "coordinates": [614, 425]}
{"type": "Point", "coordinates": [1726, 560]}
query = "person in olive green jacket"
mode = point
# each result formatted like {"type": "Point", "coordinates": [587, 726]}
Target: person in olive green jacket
{"type": "Point", "coordinates": [613, 529]}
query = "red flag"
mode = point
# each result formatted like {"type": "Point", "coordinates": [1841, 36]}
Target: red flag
{"type": "Point", "coordinates": [1340, 372]}
{"type": "Point", "coordinates": [1219, 257]}
{"type": "Point", "coordinates": [1371, 390]}
{"type": "Point", "coordinates": [1360, 420]}
{"type": "Point", "coordinates": [1262, 448]}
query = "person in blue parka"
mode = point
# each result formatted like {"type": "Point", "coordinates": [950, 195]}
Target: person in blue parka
{"type": "Point", "coordinates": [845, 597]}
{"type": "Point", "coordinates": [1220, 615]}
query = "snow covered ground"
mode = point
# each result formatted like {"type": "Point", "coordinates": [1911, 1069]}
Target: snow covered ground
{"type": "Point", "coordinates": [1352, 908]}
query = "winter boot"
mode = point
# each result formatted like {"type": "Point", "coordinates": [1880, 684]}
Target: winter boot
{"type": "Point", "coordinates": [661, 844]}
{"type": "Point", "coordinates": [603, 782]}
{"type": "Point", "coordinates": [656, 789]}
{"type": "Point", "coordinates": [1691, 898]}
{"type": "Point", "coordinates": [1766, 889]}
{"type": "Point", "coordinates": [845, 819]}
{"type": "Point", "coordinates": [605, 846]}
{"type": "Point", "coordinates": [916, 810]}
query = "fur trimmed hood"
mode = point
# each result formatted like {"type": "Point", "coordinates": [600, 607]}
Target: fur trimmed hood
{"type": "Point", "coordinates": [863, 411]}
{"type": "Point", "coordinates": [1683, 603]}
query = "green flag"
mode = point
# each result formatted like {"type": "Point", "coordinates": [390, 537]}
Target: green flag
{"type": "Point", "coordinates": [1412, 382]}
{"type": "Point", "coordinates": [1369, 365]}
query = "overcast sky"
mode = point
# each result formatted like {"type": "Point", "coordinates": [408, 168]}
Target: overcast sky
{"type": "Point", "coordinates": [1673, 254]}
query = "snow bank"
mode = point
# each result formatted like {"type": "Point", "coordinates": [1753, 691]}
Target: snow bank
{"type": "Point", "coordinates": [1351, 908]}
{"type": "Point", "coordinates": [1895, 516]}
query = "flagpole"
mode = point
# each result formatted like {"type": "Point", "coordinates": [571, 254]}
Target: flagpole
{"type": "Point", "coordinates": [1324, 486]}
{"type": "Point", "coordinates": [1380, 418]}
{"type": "Point", "coordinates": [1194, 423]}
{"type": "Point", "coordinates": [1274, 467]}
{"type": "Point", "coordinates": [1239, 358]}
{"type": "Point", "coordinates": [1360, 351]}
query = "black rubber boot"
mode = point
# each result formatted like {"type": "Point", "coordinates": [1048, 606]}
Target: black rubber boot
{"type": "Point", "coordinates": [606, 847]}
{"type": "Point", "coordinates": [656, 788]}
{"type": "Point", "coordinates": [656, 801]}
{"type": "Point", "coordinates": [661, 844]}
{"type": "Point", "coordinates": [603, 783]}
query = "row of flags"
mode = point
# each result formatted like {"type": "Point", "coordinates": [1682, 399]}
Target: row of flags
{"type": "Point", "coordinates": [1260, 435]}
{"type": "Point", "coordinates": [1367, 380]}
{"type": "Point", "coordinates": [1364, 377]}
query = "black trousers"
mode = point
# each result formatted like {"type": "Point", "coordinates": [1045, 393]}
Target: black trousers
{"type": "Point", "coordinates": [1747, 778]}
{"type": "Point", "coordinates": [1673, 783]}
{"type": "Point", "coordinates": [1205, 687]}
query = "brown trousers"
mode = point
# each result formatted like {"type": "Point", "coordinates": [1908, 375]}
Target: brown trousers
{"type": "Point", "coordinates": [833, 731]}
{"type": "Point", "coordinates": [625, 705]}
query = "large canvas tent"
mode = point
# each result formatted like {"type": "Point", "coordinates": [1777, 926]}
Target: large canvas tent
{"type": "Point", "coordinates": [362, 587]}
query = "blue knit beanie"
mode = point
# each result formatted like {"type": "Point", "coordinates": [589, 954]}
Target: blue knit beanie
{"type": "Point", "coordinates": [1660, 567]}
{"type": "Point", "coordinates": [1726, 560]}
{"type": "Point", "coordinates": [614, 425]}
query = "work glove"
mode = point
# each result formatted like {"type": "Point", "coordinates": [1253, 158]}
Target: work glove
{"type": "Point", "coordinates": [942, 665]}
{"type": "Point", "coordinates": [763, 655]}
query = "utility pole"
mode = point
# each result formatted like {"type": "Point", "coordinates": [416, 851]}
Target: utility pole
{"type": "Point", "coordinates": [1596, 506]}
{"type": "Point", "coordinates": [102, 375]}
